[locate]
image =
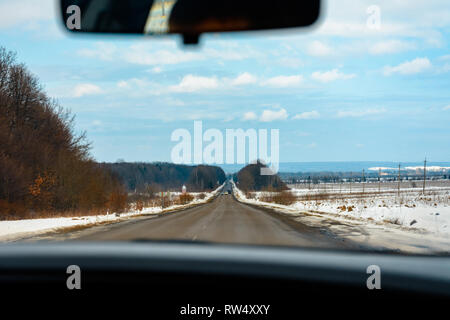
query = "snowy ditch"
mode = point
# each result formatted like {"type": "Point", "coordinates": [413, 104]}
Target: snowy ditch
{"type": "Point", "coordinates": [411, 222]}
{"type": "Point", "coordinates": [13, 230]}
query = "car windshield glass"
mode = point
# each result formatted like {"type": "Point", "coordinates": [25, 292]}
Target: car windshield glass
{"type": "Point", "coordinates": [334, 136]}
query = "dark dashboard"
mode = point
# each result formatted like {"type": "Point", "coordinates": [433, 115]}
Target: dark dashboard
{"type": "Point", "coordinates": [182, 280]}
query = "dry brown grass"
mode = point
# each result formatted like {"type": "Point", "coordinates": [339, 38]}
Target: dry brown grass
{"type": "Point", "coordinates": [250, 195]}
{"type": "Point", "coordinates": [185, 198]}
{"type": "Point", "coordinates": [46, 214]}
{"type": "Point", "coordinates": [118, 201]}
{"type": "Point", "coordinates": [202, 196]}
{"type": "Point", "coordinates": [139, 205]}
{"type": "Point", "coordinates": [284, 198]}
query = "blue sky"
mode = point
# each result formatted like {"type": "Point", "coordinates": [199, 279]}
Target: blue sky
{"type": "Point", "coordinates": [342, 91]}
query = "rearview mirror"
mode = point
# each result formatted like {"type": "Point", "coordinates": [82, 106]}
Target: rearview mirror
{"type": "Point", "coordinates": [189, 18]}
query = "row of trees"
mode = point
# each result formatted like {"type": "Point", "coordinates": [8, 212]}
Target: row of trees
{"type": "Point", "coordinates": [159, 176]}
{"type": "Point", "coordinates": [44, 165]}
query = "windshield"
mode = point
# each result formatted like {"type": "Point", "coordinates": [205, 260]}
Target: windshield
{"type": "Point", "coordinates": [335, 136]}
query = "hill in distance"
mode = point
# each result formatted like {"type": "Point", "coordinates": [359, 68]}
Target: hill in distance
{"type": "Point", "coordinates": [249, 178]}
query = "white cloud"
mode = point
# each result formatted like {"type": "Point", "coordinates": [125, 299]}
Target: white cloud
{"type": "Point", "coordinates": [191, 83]}
{"type": "Point", "coordinates": [140, 87]}
{"type": "Point", "coordinates": [446, 107]}
{"type": "Point", "coordinates": [147, 55]}
{"type": "Point", "coordinates": [290, 62]}
{"type": "Point", "coordinates": [358, 29]}
{"type": "Point", "coordinates": [424, 19]}
{"type": "Point", "coordinates": [415, 66]}
{"type": "Point", "coordinates": [331, 75]}
{"type": "Point", "coordinates": [244, 79]}
{"type": "Point", "coordinates": [96, 125]}
{"type": "Point", "coordinates": [390, 46]}
{"type": "Point", "coordinates": [283, 81]}
{"type": "Point", "coordinates": [167, 53]}
{"type": "Point", "coordinates": [174, 102]}
{"type": "Point", "coordinates": [360, 113]}
{"type": "Point", "coordinates": [194, 83]}
{"type": "Point", "coordinates": [122, 84]}
{"type": "Point", "coordinates": [156, 70]}
{"type": "Point", "coordinates": [445, 68]}
{"type": "Point", "coordinates": [312, 145]}
{"type": "Point", "coordinates": [85, 89]}
{"type": "Point", "coordinates": [230, 52]}
{"type": "Point", "coordinates": [318, 49]}
{"type": "Point", "coordinates": [25, 12]}
{"type": "Point", "coordinates": [271, 115]}
{"type": "Point", "coordinates": [307, 115]}
{"type": "Point", "coordinates": [249, 116]}
{"type": "Point", "coordinates": [102, 50]}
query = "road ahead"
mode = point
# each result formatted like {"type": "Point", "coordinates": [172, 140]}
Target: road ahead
{"type": "Point", "coordinates": [224, 220]}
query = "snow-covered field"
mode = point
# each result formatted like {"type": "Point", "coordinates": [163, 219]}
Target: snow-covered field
{"type": "Point", "coordinates": [411, 209]}
{"type": "Point", "coordinates": [13, 230]}
{"type": "Point", "coordinates": [411, 222]}
{"type": "Point", "coordinates": [370, 186]}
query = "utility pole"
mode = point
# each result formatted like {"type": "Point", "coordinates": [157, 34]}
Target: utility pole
{"type": "Point", "coordinates": [424, 174]}
{"type": "Point", "coordinates": [379, 180]}
{"type": "Point", "coordinates": [363, 180]}
{"type": "Point", "coordinates": [351, 178]}
{"type": "Point", "coordinates": [398, 191]}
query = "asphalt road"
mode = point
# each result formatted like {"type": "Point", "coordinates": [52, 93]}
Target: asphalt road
{"type": "Point", "coordinates": [224, 220]}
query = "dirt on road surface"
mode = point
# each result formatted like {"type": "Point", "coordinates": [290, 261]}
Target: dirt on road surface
{"type": "Point", "coordinates": [224, 220]}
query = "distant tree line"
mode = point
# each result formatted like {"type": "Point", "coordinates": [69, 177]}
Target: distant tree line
{"type": "Point", "coordinates": [155, 177]}
{"type": "Point", "coordinates": [44, 165]}
{"type": "Point", "coordinates": [355, 176]}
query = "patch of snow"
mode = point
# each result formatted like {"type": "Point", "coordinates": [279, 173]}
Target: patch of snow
{"type": "Point", "coordinates": [414, 224]}
{"type": "Point", "coordinates": [412, 168]}
{"type": "Point", "coordinates": [430, 168]}
{"type": "Point", "coordinates": [10, 230]}
{"type": "Point", "coordinates": [381, 168]}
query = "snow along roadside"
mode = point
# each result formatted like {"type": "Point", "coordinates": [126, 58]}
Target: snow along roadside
{"type": "Point", "coordinates": [433, 219]}
{"type": "Point", "coordinates": [11, 230]}
{"type": "Point", "coordinates": [369, 232]}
